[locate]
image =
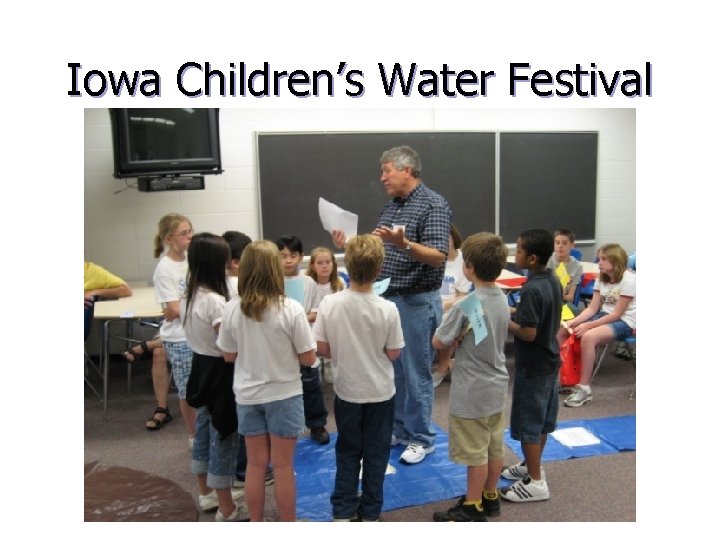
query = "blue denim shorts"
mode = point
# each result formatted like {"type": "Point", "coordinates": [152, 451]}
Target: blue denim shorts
{"type": "Point", "coordinates": [620, 329]}
{"type": "Point", "coordinates": [179, 354]}
{"type": "Point", "coordinates": [534, 406]}
{"type": "Point", "coordinates": [282, 418]}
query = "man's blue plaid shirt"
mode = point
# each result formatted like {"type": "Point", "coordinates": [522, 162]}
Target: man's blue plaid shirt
{"type": "Point", "coordinates": [426, 217]}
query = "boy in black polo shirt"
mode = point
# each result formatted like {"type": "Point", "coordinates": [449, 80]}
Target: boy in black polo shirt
{"type": "Point", "coordinates": [537, 361]}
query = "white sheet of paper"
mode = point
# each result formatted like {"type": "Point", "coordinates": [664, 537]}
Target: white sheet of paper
{"type": "Point", "coordinates": [388, 470]}
{"type": "Point", "coordinates": [335, 218]}
{"type": "Point", "coordinates": [575, 436]}
{"type": "Point", "coordinates": [380, 287]}
{"type": "Point", "coordinates": [473, 310]}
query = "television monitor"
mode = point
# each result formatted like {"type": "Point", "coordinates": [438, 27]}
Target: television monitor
{"type": "Point", "coordinates": [165, 142]}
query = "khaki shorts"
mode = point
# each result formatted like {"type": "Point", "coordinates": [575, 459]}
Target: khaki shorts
{"type": "Point", "coordinates": [474, 441]}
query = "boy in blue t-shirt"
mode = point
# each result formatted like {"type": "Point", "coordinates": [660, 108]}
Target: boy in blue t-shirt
{"type": "Point", "coordinates": [537, 361]}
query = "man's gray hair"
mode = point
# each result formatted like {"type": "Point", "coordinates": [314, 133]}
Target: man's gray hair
{"type": "Point", "coordinates": [402, 157]}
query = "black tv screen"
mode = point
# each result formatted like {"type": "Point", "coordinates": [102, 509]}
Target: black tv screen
{"type": "Point", "coordinates": [160, 142]}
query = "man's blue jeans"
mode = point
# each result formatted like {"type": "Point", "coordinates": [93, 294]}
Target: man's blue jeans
{"type": "Point", "coordinates": [420, 315]}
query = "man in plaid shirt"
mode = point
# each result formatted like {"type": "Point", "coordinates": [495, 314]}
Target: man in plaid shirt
{"type": "Point", "coordinates": [415, 227]}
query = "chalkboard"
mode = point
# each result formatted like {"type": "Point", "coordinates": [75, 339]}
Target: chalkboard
{"type": "Point", "coordinates": [548, 181]}
{"type": "Point", "coordinates": [295, 169]}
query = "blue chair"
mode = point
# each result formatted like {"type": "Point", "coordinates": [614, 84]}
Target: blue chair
{"type": "Point", "coordinates": [576, 253]}
{"type": "Point", "coordinates": [630, 342]}
{"type": "Point", "coordinates": [632, 261]}
{"type": "Point", "coordinates": [585, 292]}
{"type": "Point", "coordinates": [576, 298]}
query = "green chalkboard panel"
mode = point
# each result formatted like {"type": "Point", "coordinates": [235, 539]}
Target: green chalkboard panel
{"type": "Point", "coordinates": [295, 169]}
{"type": "Point", "coordinates": [548, 181]}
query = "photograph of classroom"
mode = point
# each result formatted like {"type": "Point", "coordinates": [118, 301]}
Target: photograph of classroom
{"type": "Point", "coordinates": [134, 474]}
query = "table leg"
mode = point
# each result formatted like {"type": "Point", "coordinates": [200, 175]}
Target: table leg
{"type": "Point", "coordinates": [105, 360]}
{"type": "Point", "coordinates": [129, 333]}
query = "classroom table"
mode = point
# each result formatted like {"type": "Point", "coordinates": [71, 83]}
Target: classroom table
{"type": "Point", "coordinates": [131, 309]}
{"type": "Point", "coordinates": [509, 280]}
{"type": "Point", "coordinates": [589, 267]}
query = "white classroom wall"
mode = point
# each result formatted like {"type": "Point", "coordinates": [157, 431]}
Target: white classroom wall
{"type": "Point", "coordinates": [119, 227]}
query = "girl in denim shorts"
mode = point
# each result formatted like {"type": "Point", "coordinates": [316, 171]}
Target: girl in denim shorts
{"type": "Point", "coordinates": [266, 334]}
{"type": "Point", "coordinates": [610, 316]}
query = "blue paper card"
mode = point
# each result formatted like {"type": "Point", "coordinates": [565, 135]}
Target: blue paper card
{"type": "Point", "coordinates": [295, 289]}
{"type": "Point", "coordinates": [473, 310]}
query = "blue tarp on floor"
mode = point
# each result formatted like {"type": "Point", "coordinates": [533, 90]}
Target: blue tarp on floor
{"type": "Point", "coordinates": [437, 478]}
{"type": "Point", "coordinates": [615, 434]}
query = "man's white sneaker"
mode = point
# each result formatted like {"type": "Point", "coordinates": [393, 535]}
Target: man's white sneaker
{"type": "Point", "coordinates": [394, 441]}
{"type": "Point", "coordinates": [519, 471]}
{"type": "Point", "coordinates": [526, 490]}
{"type": "Point", "coordinates": [415, 453]}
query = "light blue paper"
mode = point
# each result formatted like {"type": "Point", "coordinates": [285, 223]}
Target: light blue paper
{"type": "Point", "coordinates": [473, 310]}
{"type": "Point", "coordinates": [380, 287]}
{"type": "Point", "coordinates": [295, 289]}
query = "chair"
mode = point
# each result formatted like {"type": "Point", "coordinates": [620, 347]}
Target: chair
{"type": "Point", "coordinates": [630, 342]}
{"type": "Point", "coordinates": [576, 253]}
{"type": "Point", "coordinates": [632, 261]}
{"type": "Point", "coordinates": [576, 298]}
{"type": "Point", "coordinates": [89, 363]}
{"type": "Point", "coordinates": [585, 291]}
{"type": "Point", "coordinates": [130, 341]}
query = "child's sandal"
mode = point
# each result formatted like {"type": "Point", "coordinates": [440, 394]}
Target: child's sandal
{"type": "Point", "coordinates": [130, 355]}
{"type": "Point", "coordinates": [157, 423]}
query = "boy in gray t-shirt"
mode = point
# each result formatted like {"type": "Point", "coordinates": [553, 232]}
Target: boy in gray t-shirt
{"type": "Point", "coordinates": [564, 242]}
{"type": "Point", "coordinates": [480, 379]}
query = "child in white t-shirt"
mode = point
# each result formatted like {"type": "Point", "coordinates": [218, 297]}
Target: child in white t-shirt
{"type": "Point", "coordinates": [455, 286]}
{"type": "Point", "coordinates": [209, 388]}
{"type": "Point", "coordinates": [238, 242]}
{"type": "Point", "coordinates": [323, 269]}
{"type": "Point", "coordinates": [610, 316]}
{"type": "Point", "coordinates": [172, 241]}
{"type": "Point", "coordinates": [266, 334]}
{"type": "Point", "coordinates": [362, 334]}
{"type": "Point", "coordinates": [291, 252]}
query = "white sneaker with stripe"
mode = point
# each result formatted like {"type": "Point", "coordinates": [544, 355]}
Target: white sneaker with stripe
{"type": "Point", "coordinates": [519, 471]}
{"type": "Point", "coordinates": [526, 490]}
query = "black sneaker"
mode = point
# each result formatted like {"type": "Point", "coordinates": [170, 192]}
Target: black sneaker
{"type": "Point", "coordinates": [320, 435]}
{"type": "Point", "coordinates": [491, 507]}
{"type": "Point", "coordinates": [460, 512]}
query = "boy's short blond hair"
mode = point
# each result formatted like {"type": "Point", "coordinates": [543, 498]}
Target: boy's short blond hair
{"type": "Point", "coordinates": [364, 256]}
{"type": "Point", "coordinates": [486, 254]}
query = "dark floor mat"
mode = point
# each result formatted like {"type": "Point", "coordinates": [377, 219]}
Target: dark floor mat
{"type": "Point", "coordinates": [122, 494]}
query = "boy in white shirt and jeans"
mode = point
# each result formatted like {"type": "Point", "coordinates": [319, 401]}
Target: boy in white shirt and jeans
{"type": "Point", "coordinates": [361, 332]}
